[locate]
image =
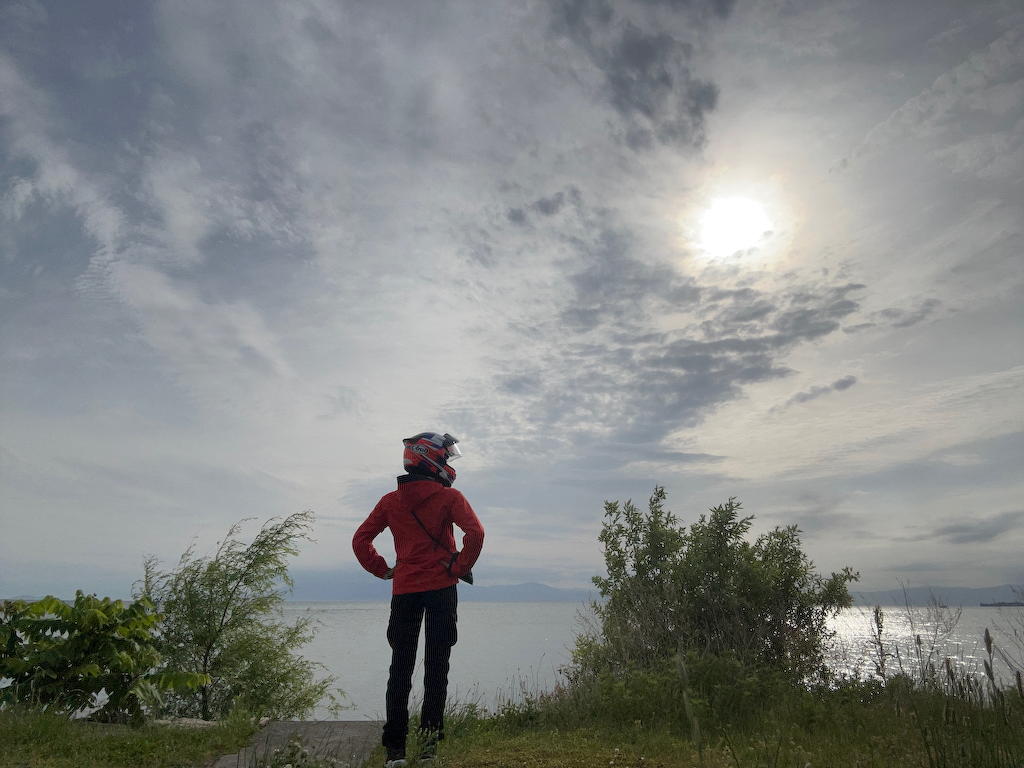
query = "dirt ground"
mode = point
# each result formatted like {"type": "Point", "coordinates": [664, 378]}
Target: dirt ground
{"type": "Point", "coordinates": [348, 741]}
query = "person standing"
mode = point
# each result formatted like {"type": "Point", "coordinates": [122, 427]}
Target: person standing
{"type": "Point", "coordinates": [420, 514]}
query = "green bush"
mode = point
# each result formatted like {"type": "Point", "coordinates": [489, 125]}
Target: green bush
{"type": "Point", "coordinates": [704, 652]}
{"type": "Point", "coordinates": [62, 658]}
{"type": "Point", "coordinates": [671, 591]}
{"type": "Point", "coordinates": [221, 620]}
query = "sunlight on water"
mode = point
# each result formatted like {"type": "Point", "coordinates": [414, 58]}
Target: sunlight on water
{"type": "Point", "coordinates": [941, 636]}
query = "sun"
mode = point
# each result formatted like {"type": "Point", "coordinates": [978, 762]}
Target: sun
{"type": "Point", "coordinates": [732, 224]}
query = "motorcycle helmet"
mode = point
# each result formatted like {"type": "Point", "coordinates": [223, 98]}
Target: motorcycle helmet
{"type": "Point", "coordinates": [428, 453]}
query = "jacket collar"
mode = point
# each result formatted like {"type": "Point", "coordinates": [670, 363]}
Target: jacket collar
{"type": "Point", "coordinates": [414, 478]}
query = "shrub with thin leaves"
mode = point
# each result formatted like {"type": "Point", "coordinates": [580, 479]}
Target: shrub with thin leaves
{"type": "Point", "coordinates": [707, 589]}
{"type": "Point", "coordinates": [221, 619]}
{"type": "Point", "coordinates": [65, 658]}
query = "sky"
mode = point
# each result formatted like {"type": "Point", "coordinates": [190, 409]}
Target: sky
{"type": "Point", "coordinates": [763, 249]}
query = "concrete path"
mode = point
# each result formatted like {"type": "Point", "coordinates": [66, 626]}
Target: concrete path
{"type": "Point", "coordinates": [348, 741]}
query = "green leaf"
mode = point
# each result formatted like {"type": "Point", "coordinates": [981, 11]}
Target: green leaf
{"type": "Point", "coordinates": [89, 670]}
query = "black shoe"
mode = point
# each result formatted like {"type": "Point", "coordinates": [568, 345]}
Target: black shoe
{"type": "Point", "coordinates": [428, 752]}
{"type": "Point", "coordinates": [395, 758]}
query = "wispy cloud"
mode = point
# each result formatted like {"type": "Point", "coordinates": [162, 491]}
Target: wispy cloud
{"type": "Point", "coordinates": [986, 81]}
{"type": "Point", "coordinates": [982, 528]}
{"type": "Point", "coordinates": [879, 426]}
{"type": "Point", "coordinates": [817, 391]}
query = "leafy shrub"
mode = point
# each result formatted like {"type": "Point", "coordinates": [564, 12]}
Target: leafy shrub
{"type": "Point", "coordinates": [220, 620]}
{"type": "Point", "coordinates": [706, 590]}
{"type": "Point", "coordinates": [674, 696]}
{"type": "Point", "coordinates": [62, 657]}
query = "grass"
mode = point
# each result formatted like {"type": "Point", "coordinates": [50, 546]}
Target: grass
{"type": "Point", "coordinates": [859, 725]}
{"type": "Point", "coordinates": [38, 740]}
{"type": "Point", "coordinates": [764, 724]}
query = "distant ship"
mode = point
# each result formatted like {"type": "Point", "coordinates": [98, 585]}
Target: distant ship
{"type": "Point", "coordinates": [1011, 604]}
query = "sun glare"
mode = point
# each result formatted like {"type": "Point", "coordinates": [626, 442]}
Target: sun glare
{"type": "Point", "coordinates": [732, 224]}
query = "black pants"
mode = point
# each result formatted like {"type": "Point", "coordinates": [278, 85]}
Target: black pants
{"type": "Point", "coordinates": [407, 613]}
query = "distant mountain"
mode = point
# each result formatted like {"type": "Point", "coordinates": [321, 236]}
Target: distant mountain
{"type": "Point", "coordinates": [968, 597]}
{"type": "Point", "coordinates": [357, 586]}
{"type": "Point", "coordinates": [531, 592]}
{"type": "Point", "coordinates": [329, 586]}
{"type": "Point", "coordinates": [339, 586]}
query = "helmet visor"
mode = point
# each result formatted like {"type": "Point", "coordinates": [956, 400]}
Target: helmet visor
{"type": "Point", "coordinates": [454, 452]}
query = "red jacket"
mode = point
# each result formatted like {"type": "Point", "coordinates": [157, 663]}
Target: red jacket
{"type": "Point", "coordinates": [421, 564]}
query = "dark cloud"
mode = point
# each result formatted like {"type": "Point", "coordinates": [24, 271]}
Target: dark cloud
{"type": "Point", "coordinates": [648, 78]}
{"type": "Point", "coordinates": [720, 8]}
{"type": "Point", "coordinates": [815, 392]}
{"type": "Point", "coordinates": [577, 19]}
{"type": "Point", "coordinates": [815, 513]}
{"type": "Point", "coordinates": [811, 394]}
{"type": "Point", "coordinates": [549, 206]}
{"type": "Point", "coordinates": [844, 383]}
{"type": "Point", "coordinates": [519, 384]}
{"type": "Point", "coordinates": [546, 206]}
{"type": "Point", "coordinates": [747, 309]}
{"type": "Point", "coordinates": [902, 318]}
{"type": "Point", "coordinates": [612, 364]}
{"type": "Point", "coordinates": [897, 317]}
{"type": "Point", "coordinates": [918, 565]}
{"type": "Point", "coordinates": [622, 448]}
{"type": "Point", "coordinates": [612, 282]}
{"type": "Point", "coordinates": [981, 530]}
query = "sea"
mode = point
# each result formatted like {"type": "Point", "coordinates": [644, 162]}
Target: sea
{"type": "Point", "coordinates": [508, 650]}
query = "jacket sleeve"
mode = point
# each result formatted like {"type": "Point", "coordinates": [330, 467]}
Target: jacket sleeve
{"type": "Point", "coordinates": [362, 542]}
{"type": "Point", "coordinates": [473, 535]}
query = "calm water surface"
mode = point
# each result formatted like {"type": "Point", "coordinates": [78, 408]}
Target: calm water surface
{"type": "Point", "coordinates": [506, 647]}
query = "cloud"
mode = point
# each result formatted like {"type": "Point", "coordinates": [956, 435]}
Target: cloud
{"type": "Point", "coordinates": [549, 206]}
{"type": "Point", "coordinates": [815, 392]}
{"type": "Point", "coordinates": [897, 317]}
{"type": "Point", "coordinates": [954, 30]}
{"type": "Point", "coordinates": [546, 206]}
{"type": "Point", "coordinates": [891, 424]}
{"type": "Point", "coordinates": [983, 529]}
{"type": "Point", "coordinates": [844, 383]}
{"type": "Point", "coordinates": [647, 76]}
{"type": "Point", "coordinates": [986, 81]}
{"type": "Point", "coordinates": [918, 566]}
{"type": "Point", "coordinates": [903, 318]}
{"type": "Point", "coordinates": [611, 285]}
{"type": "Point", "coordinates": [607, 364]}
{"type": "Point", "coordinates": [815, 513]}
{"type": "Point", "coordinates": [995, 156]}
{"type": "Point", "coordinates": [55, 178]}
